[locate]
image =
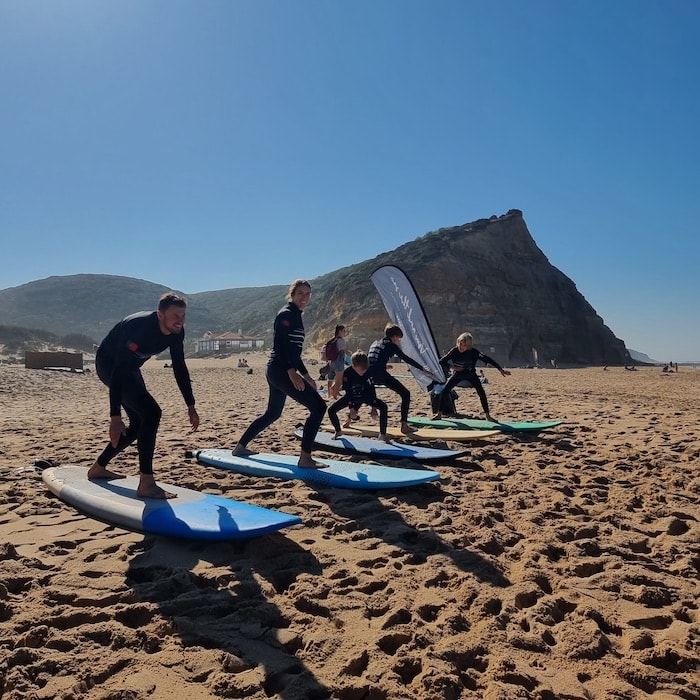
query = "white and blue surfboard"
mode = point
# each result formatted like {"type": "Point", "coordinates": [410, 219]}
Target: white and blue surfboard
{"type": "Point", "coordinates": [357, 444]}
{"type": "Point", "coordinates": [335, 472]}
{"type": "Point", "coordinates": [191, 514]}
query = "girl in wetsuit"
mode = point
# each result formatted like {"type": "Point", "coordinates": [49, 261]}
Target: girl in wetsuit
{"type": "Point", "coordinates": [287, 376]}
{"type": "Point", "coordinates": [463, 358]}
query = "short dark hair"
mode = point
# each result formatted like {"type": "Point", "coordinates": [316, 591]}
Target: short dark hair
{"type": "Point", "coordinates": [171, 299]}
{"type": "Point", "coordinates": [391, 329]}
{"type": "Point", "coordinates": [337, 330]}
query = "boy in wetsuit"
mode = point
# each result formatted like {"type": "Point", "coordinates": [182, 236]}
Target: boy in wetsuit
{"type": "Point", "coordinates": [359, 389]}
{"type": "Point", "coordinates": [118, 362]}
{"type": "Point", "coordinates": [463, 358]}
{"type": "Point", "coordinates": [380, 352]}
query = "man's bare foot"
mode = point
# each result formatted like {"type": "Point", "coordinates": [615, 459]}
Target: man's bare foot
{"type": "Point", "coordinates": [385, 437]}
{"type": "Point", "coordinates": [149, 489]}
{"type": "Point", "coordinates": [306, 461]}
{"type": "Point", "coordinates": [242, 451]}
{"type": "Point", "coordinates": [98, 472]}
{"type": "Point", "coordinates": [406, 429]}
{"type": "Point", "coordinates": [337, 434]}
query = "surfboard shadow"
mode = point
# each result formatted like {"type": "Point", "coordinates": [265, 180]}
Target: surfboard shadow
{"type": "Point", "coordinates": [225, 607]}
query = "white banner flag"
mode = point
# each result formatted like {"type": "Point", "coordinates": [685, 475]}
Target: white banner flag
{"type": "Point", "coordinates": [405, 310]}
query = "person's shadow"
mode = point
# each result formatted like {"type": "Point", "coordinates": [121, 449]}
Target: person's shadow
{"type": "Point", "coordinates": [229, 610]}
{"type": "Point", "coordinates": [387, 524]}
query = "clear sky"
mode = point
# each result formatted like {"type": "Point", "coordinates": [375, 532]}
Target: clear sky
{"type": "Point", "coordinates": [213, 144]}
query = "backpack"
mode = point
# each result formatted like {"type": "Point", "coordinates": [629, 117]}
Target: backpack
{"type": "Point", "coordinates": [329, 351]}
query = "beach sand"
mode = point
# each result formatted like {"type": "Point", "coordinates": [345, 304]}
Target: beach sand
{"type": "Point", "coordinates": [562, 565]}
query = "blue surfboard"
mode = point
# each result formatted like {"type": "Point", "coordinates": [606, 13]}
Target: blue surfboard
{"type": "Point", "coordinates": [357, 444]}
{"type": "Point", "coordinates": [191, 514]}
{"type": "Point", "coordinates": [349, 475]}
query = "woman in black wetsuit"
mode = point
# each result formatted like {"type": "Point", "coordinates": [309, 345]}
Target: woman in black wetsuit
{"type": "Point", "coordinates": [463, 358]}
{"type": "Point", "coordinates": [287, 376]}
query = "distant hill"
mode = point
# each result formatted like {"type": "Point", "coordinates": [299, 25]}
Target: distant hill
{"type": "Point", "coordinates": [642, 357]}
{"type": "Point", "coordinates": [487, 276]}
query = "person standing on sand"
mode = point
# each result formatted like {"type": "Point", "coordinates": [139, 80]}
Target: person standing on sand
{"type": "Point", "coordinates": [287, 375]}
{"type": "Point", "coordinates": [380, 352]}
{"type": "Point", "coordinates": [337, 367]}
{"type": "Point", "coordinates": [463, 358]}
{"type": "Point", "coordinates": [118, 363]}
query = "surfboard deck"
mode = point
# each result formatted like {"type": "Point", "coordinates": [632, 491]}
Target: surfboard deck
{"type": "Point", "coordinates": [192, 514]}
{"type": "Point", "coordinates": [475, 424]}
{"type": "Point", "coordinates": [358, 444]}
{"type": "Point", "coordinates": [423, 433]}
{"type": "Point", "coordinates": [350, 475]}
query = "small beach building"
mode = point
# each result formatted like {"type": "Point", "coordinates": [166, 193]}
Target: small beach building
{"type": "Point", "coordinates": [57, 359]}
{"type": "Point", "coordinates": [217, 343]}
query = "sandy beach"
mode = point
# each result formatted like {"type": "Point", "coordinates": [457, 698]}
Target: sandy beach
{"type": "Point", "coordinates": [559, 565]}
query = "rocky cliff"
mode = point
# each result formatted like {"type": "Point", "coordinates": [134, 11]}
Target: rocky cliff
{"type": "Point", "coordinates": [487, 277]}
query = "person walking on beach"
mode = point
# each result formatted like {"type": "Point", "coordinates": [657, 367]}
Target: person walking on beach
{"type": "Point", "coordinates": [463, 358]}
{"type": "Point", "coordinates": [118, 363]}
{"type": "Point", "coordinates": [359, 389]}
{"type": "Point", "coordinates": [287, 376]}
{"type": "Point", "coordinates": [380, 352]}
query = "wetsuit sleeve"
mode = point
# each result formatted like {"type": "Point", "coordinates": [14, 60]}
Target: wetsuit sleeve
{"type": "Point", "coordinates": [182, 375]}
{"type": "Point", "coordinates": [444, 361]}
{"type": "Point", "coordinates": [396, 350]}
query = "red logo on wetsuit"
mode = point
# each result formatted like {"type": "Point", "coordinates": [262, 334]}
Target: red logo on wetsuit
{"type": "Point", "coordinates": [133, 347]}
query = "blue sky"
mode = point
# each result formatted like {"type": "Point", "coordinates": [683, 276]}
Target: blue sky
{"type": "Point", "coordinates": [213, 144]}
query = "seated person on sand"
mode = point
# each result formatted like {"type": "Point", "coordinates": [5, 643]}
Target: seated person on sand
{"type": "Point", "coordinates": [359, 389]}
{"type": "Point", "coordinates": [463, 358]}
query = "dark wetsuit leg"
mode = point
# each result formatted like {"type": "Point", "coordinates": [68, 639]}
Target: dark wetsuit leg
{"type": "Point", "coordinates": [342, 402]}
{"type": "Point", "coordinates": [471, 377]}
{"type": "Point", "coordinates": [280, 387]}
{"type": "Point", "coordinates": [395, 385]}
{"type": "Point", "coordinates": [144, 418]}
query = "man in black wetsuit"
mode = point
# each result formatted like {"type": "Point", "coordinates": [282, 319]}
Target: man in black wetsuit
{"type": "Point", "coordinates": [463, 358]}
{"type": "Point", "coordinates": [118, 363]}
{"type": "Point", "coordinates": [380, 352]}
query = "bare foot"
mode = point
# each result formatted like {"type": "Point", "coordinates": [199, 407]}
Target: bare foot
{"type": "Point", "coordinates": [406, 429]}
{"type": "Point", "coordinates": [306, 461]}
{"type": "Point", "coordinates": [97, 472]}
{"type": "Point", "coordinates": [242, 451]}
{"type": "Point", "coordinates": [437, 416]}
{"type": "Point", "coordinates": [149, 489]}
{"type": "Point", "coordinates": [337, 434]}
{"type": "Point", "coordinates": [386, 438]}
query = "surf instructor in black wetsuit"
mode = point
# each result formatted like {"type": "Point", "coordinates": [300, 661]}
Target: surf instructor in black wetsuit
{"type": "Point", "coordinates": [287, 375]}
{"type": "Point", "coordinates": [118, 363]}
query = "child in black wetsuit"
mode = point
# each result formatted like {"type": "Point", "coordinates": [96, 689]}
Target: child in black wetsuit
{"type": "Point", "coordinates": [359, 389]}
{"type": "Point", "coordinates": [380, 352]}
{"type": "Point", "coordinates": [463, 358]}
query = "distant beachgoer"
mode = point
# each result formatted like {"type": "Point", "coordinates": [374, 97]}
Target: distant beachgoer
{"type": "Point", "coordinates": [359, 389]}
{"type": "Point", "coordinates": [379, 354]}
{"type": "Point", "coordinates": [287, 375]}
{"type": "Point", "coordinates": [118, 364]}
{"type": "Point", "coordinates": [337, 366]}
{"type": "Point", "coordinates": [463, 358]}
